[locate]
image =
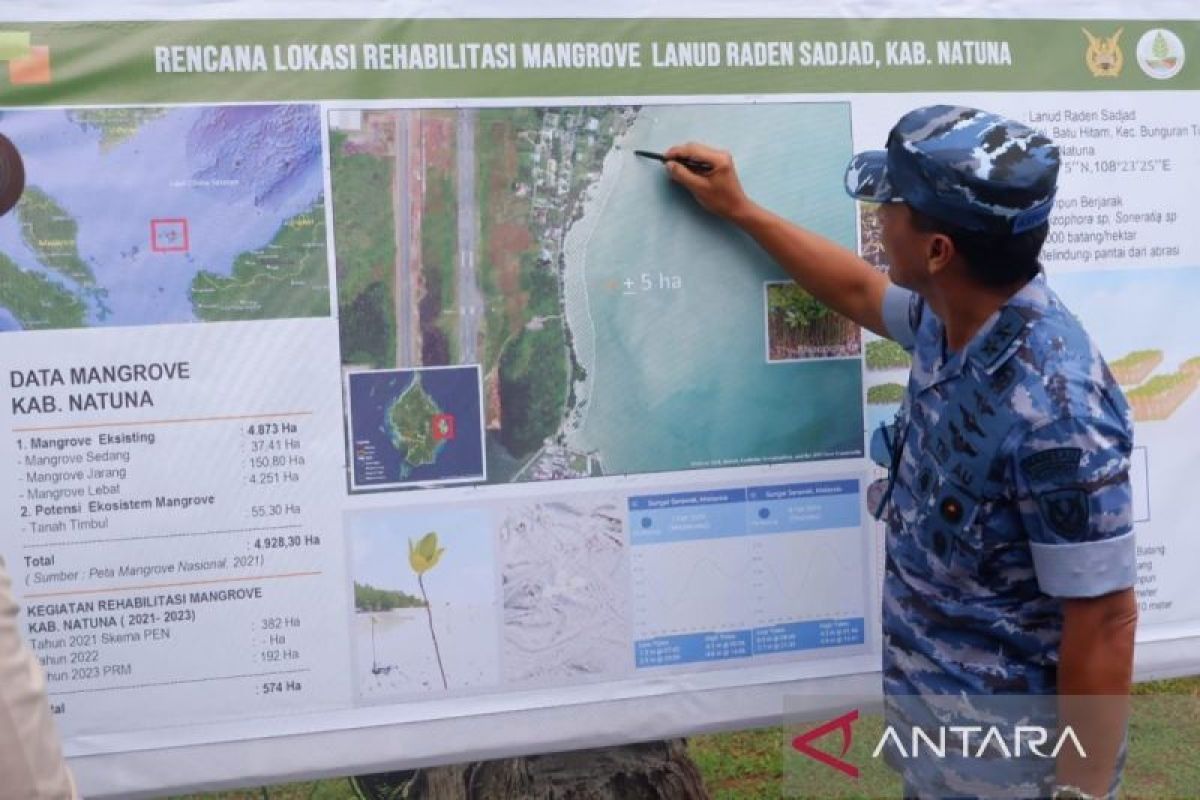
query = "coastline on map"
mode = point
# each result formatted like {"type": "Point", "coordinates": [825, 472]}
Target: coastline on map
{"type": "Point", "coordinates": [595, 136]}
{"type": "Point", "coordinates": [585, 285]}
{"type": "Point", "coordinates": [581, 328]}
{"type": "Point", "coordinates": [414, 428]}
{"type": "Point", "coordinates": [646, 274]}
{"type": "Point", "coordinates": [450, 228]}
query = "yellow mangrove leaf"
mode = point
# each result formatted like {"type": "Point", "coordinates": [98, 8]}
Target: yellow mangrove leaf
{"type": "Point", "coordinates": [425, 554]}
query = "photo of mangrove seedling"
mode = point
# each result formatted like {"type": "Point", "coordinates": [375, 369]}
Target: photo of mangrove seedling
{"type": "Point", "coordinates": [800, 327]}
{"type": "Point", "coordinates": [425, 602]}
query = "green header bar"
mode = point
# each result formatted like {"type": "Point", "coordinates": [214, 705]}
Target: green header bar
{"type": "Point", "coordinates": [271, 60]}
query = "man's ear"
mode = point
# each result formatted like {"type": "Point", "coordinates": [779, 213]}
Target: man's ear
{"type": "Point", "coordinates": [939, 252]}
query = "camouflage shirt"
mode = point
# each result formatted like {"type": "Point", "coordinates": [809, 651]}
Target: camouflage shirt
{"type": "Point", "coordinates": [1009, 492]}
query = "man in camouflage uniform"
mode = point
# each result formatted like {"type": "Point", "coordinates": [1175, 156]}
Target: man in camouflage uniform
{"type": "Point", "coordinates": [1010, 554]}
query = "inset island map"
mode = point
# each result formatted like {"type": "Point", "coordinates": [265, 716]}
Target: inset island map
{"type": "Point", "coordinates": [618, 328]}
{"type": "Point", "coordinates": [413, 427]}
{"type": "Point", "coordinates": [145, 216]}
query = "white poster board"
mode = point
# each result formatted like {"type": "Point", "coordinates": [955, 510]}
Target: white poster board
{"type": "Point", "coordinates": [292, 290]}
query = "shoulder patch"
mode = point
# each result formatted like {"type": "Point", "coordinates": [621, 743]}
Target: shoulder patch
{"type": "Point", "coordinates": [997, 344]}
{"type": "Point", "coordinates": [1058, 462]}
{"type": "Point", "coordinates": [1066, 511]}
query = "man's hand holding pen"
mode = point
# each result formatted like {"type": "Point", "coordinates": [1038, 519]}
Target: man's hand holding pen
{"type": "Point", "coordinates": [718, 189]}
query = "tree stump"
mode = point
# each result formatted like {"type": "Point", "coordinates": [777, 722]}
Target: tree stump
{"type": "Point", "coordinates": [650, 771]}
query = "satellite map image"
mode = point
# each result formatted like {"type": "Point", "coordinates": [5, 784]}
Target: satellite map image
{"type": "Point", "coordinates": [617, 330]}
{"type": "Point", "coordinates": [143, 216]}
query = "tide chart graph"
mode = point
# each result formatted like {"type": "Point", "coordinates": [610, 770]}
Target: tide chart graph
{"type": "Point", "coordinates": [741, 573]}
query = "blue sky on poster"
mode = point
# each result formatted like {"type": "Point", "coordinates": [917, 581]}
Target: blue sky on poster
{"type": "Point", "coordinates": [1154, 306]}
{"type": "Point", "coordinates": [379, 552]}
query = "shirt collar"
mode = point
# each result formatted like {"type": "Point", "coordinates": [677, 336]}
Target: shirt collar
{"type": "Point", "coordinates": [998, 337]}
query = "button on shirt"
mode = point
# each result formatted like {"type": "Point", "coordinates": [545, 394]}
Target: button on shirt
{"type": "Point", "coordinates": [1011, 492]}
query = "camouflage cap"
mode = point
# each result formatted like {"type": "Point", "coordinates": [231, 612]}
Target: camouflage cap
{"type": "Point", "coordinates": [967, 167]}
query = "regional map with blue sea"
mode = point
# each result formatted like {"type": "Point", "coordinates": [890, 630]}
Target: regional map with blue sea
{"type": "Point", "coordinates": [145, 216]}
{"type": "Point", "coordinates": [414, 427]}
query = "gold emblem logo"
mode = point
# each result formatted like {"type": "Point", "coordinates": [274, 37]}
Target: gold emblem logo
{"type": "Point", "coordinates": [1104, 57]}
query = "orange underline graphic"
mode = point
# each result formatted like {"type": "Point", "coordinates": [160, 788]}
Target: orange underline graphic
{"type": "Point", "coordinates": [160, 422]}
{"type": "Point", "coordinates": [172, 585]}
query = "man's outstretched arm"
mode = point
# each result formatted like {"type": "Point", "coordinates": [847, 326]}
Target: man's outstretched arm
{"type": "Point", "coordinates": [829, 272]}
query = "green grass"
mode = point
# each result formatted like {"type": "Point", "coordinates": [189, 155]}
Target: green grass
{"type": "Point", "coordinates": [492, 127]}
{"type": "Point", "coordinates": [497, 130]}
{"type": "Point", "coordinates": [439, 236]}
{"type": "Point", "coordinates": [363, 223]}
{"type": "Point", "coordinates": [740, 764]}
{"type": "Point", "coordinates": [449, 329]}
{"type": "Point", "coordinates": [495, 322]}
{"type": "Point", "coordinates": [750, 765]}
{"type": "Point", "coordinates": [336, 789]}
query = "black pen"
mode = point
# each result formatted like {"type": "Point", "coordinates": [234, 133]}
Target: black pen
{"type": "Point", "coordinates": [699, 167]}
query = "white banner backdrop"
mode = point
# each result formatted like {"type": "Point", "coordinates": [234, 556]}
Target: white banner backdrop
{"type": "Point", "coordinates": [371, 405]}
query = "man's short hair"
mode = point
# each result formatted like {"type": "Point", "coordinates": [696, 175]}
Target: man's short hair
{"type": "Point", "coordinates": [992, 259]}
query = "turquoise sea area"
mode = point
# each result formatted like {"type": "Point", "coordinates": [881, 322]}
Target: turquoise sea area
{"type": "Point", "coordinates": [678, 378]}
